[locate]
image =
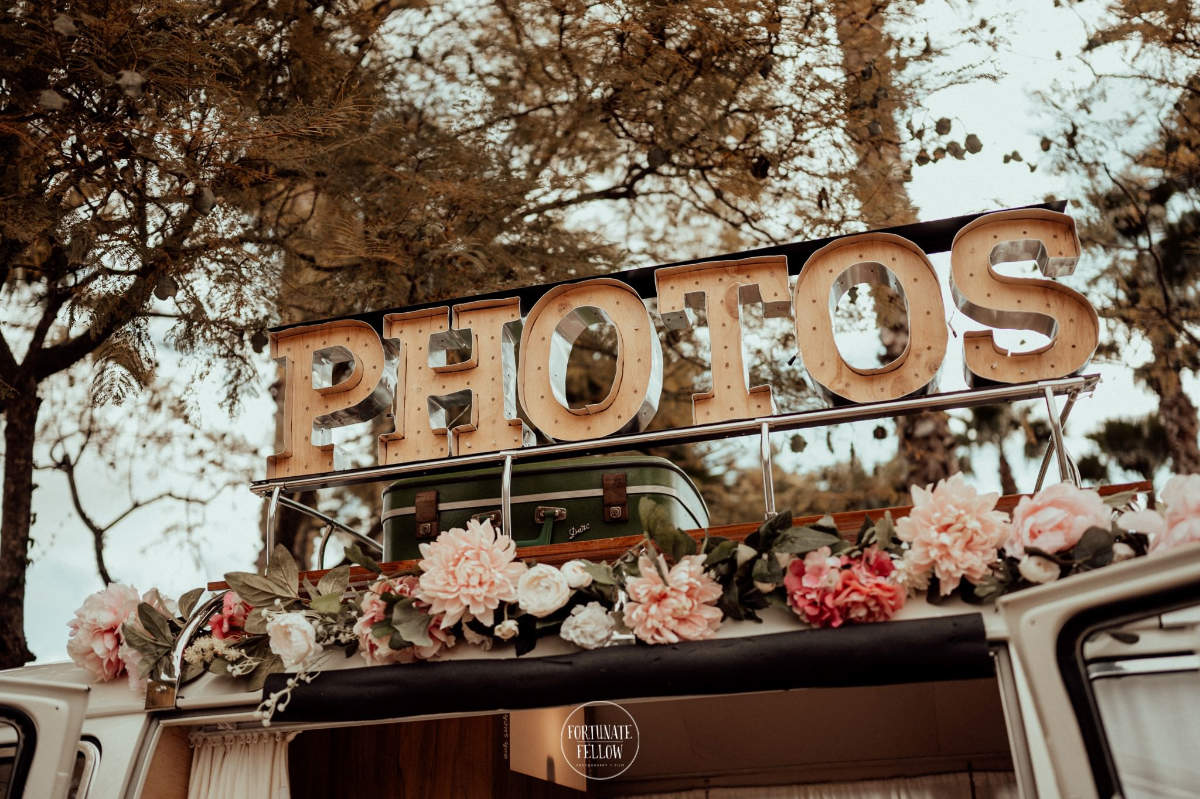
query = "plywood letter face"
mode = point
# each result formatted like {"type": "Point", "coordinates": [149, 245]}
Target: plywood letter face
{"type": "Point", "coordinates": [721, 288]}
{"type": "Point", "coordinates": [310, 411]}
{"type": "Point", "coordinates": [1023, 303]}
{"type": "Point", "coordinates": [430, 396]}
{"type": "Point", "coordinates": [550, 331]}
{"type": "Point", "coordinates": [870, 258]}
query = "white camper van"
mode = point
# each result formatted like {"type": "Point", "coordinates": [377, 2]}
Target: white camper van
{"type": "Point", "coordinates": [1089, 687]}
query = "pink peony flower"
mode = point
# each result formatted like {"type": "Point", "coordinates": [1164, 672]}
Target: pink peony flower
{"type": "Point", "coordinates": [469, 571]}
{"type": "Point", "coordinates": [952, 532]}
{"type": "Point", "coordinates": [1180, 521]}
{"type": "Point", "coordinates": [376, 651]}
{"type": "Point", "coordinates": [1055, 518]}
{"type": "Point", "coordinates": [856, 590]}
{"type": "Point", "coordinates": [231, 621]}
{"type": "Point", "coordinates": [679, 609]}
{"type": "Point", "coordinates": [95, 638]}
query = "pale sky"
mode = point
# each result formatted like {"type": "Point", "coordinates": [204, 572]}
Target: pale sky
{"type": "Point", "coordinates": [1003, 114]}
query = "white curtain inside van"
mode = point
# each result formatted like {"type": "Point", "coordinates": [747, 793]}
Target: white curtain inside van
{"type": "Point", "coordinates": [980, 784]}
{"type": "Point", "coordinates": [239, 765]}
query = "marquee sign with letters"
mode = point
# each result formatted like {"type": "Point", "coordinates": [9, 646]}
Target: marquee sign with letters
{"type": "Point", "coordinates": [511, 354]}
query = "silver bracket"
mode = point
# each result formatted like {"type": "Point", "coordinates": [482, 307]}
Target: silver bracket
{"type": "Point", "coordinates": [768, 477]}
{"type": "Point", "coordinates": [1066, 468]}
{"type": "Point", "coordinates": [506, 495]}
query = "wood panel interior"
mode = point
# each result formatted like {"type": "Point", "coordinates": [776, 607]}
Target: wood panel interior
{"type": "Point", "coordinates": [170, 767]}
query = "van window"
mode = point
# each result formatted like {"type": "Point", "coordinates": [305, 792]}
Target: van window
{"type": "Point", "coordinates": [17, 739]}
{"type": "Point", "coordinates": [1139, 677]}
{"type": "Point", "coordinates": [87, 756]}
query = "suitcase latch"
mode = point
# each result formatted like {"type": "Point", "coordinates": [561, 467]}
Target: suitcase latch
{"type": "Point", "coordinates": [543, 512]}
{"type": "Point", "coordinates": [616, 504]}
{"type": "Point", "coordinates": [492, 516]}
{"type": "Point", "coordinates": [426, 514]}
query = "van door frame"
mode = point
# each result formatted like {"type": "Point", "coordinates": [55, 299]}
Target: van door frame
{"type": "Point", "coordinates": [56, 711]}
{"type": "Point", "coordinates": [1045, 627]}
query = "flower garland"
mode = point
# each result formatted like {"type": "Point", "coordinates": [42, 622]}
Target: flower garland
{"type": "Point", "coordinates": [471, 587]}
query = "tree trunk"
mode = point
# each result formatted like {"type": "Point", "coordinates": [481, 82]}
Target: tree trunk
{"type": "Point", "coordinates": [19, 426]}
{"type": "Point", "coordinates": [925, 441]}
{"type": "Point", "coordinates": [1175, 408]}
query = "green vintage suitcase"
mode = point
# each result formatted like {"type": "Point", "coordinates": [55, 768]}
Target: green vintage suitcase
{"type": "Point", "coordinates": [553, 502]}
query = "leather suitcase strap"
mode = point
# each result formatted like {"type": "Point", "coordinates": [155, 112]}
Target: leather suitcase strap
{"type": "Point", "coordinates": [426, 515]}
{"type": "Point", "coordinates": [616, 502]}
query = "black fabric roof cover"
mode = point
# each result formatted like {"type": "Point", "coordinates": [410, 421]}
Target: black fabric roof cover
{"type": "Point", "coordinates": [944, 648]}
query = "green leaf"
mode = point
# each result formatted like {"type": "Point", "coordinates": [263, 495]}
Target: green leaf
{"type": "Point", "coordinates": [258, 677]}
{"type": "Point", "coordinates": [767, 570]}
{"type": "Point", "coordinates": [802, 540]}
{"type": "Point", "coordinates": [601, 573]}
{"type": "Point", "coordinates": [142, 642]}
{"type": "Point", "coordinates": [675, 544]}
{"type": "Point", "coordinates": [355, 554]}
{"type": "Point", "coordinates": [827, 524]}
{"type": "Point", "coordinates": [256, 622]}
{"type": "Point", "coordinates": [329, 604]}
{"type": "Point", "coordinates": [218, 666]}
{"type": "Point", "coordinates": [768, 532]}
{"type": "Point", "coordinates": [154, 623]}
{"type": "Point", "coordinates": [335, 581]}
{"type": "Point", "coordinates": [411, 622]}
{"type": "Point", "coordinates": [382, 629]}
{"type": "Point", "coordinates": [885, 531]}
{"type": "Point", "coordinates": [190, 672]}
{"type": "Point", "coordinates": [866, 534]}
{"type": "Point", "coordinates": [187, 602]}
{"type": "Point", "coordinates": [283, 570]}
{"type": "Point", "coordinates": [722, 551]}
{"type": "Point", "coordinates": [258, 591]}
{"type": "Point", "coordinates": [1094, 548]}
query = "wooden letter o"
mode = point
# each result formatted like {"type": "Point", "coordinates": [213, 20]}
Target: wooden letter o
{"type": "Point", "coordinates": [870, 258]}
{"type": "Point", "coordinates": [633, 399]}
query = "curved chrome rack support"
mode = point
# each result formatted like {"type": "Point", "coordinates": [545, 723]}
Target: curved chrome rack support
{"type": "Point", "coordinates": [162, 689]}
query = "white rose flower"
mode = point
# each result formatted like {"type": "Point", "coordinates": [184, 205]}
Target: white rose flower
{"type": "Point", "coordinates": [766, 588]}
{"type": "Point", "coordinates": [589, 626]}
{"type": "Point", "coordinates": [576, 574]}
{"type": "Point", "coordinates": [506, 629]}
{"type": "Point", "coordinates": [1122, 551]}
{"type": "Point", "coordinates": [294, 639]}
{"type": "Point", "coordinates": [542, 590]}
{"type": "Point", "coordinates": [1037, 569]}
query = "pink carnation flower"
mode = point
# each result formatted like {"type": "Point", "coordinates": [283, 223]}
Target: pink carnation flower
{"type": "Point", "coordinates": [376, 651]}
{"type": "Point", "coordinates": [95, 638]}
{"type": "Point", "coordinates": [469, 571]}
{"type": "Point", "coordinates": [1180, 522]}
{"type": "Point", "coordinates": [1055, 518]}
{"type": "Point", "coordinates": [231, 621]}
{"type": "Point", "coordinates": [679, 609]}
{"type": "Point", "coordinates": [858, 591]}
{"type": "Point", "coordinates": [952, 532]}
